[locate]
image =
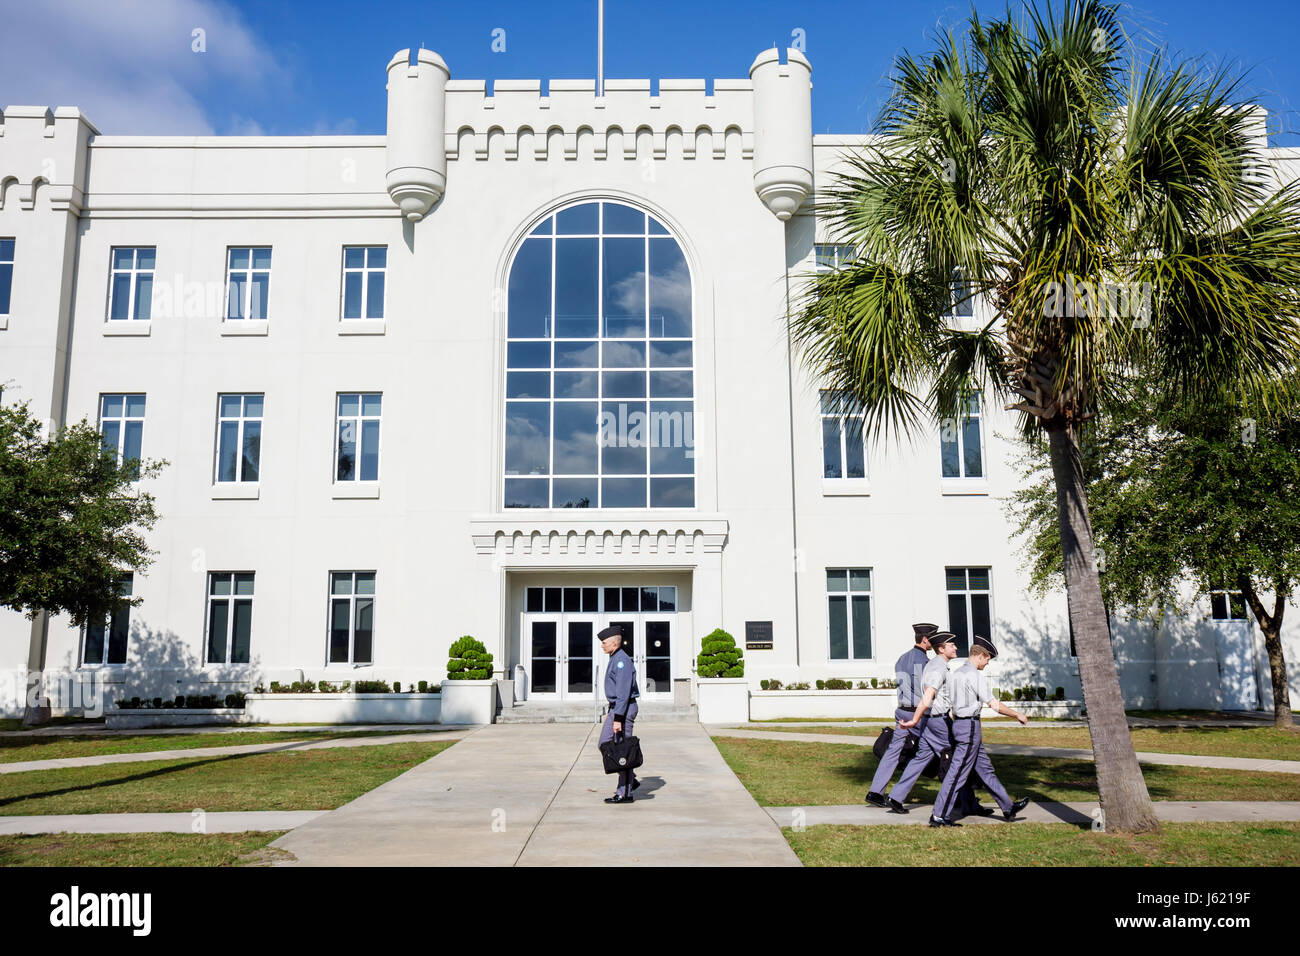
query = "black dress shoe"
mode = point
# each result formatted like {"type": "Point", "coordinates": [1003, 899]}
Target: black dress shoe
{"type": "Point", "coordinates": [617, 799]}
{"type": "Point", "coordinates": [941, 822]}
{"type": "Point", "coordinates": [982, 812]}
{"type": "Point", "coordinates": [637, 783]}
{"type": "Point", "coordinates": [1016, 807]}
{"type": "Point", "coordinates": [896, 807]}
{"type": "Point", "coordinates": [877, 799]}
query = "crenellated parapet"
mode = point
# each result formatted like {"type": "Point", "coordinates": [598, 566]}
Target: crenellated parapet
{"type": "Point", "coordinates": [43, 155]}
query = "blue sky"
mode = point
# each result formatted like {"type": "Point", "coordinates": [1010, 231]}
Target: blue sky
{"type": "Point", "coordinates": [293, 66]}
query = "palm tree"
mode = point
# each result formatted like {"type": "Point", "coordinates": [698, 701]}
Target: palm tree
{"type": "Point", "coordinates": [1064, 176]}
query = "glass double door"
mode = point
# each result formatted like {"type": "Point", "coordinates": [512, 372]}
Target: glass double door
{"type": "Point", "coordinates": [565, 659]}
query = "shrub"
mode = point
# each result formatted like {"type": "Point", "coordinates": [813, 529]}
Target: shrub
{"type": "Point", "coordinates": [801, 685]}
{"type": "Point", "coordinates": [327, 688]}
{"type": "Point", "coordinates": [157, 703]}
{"type": "Point", "coordinates": [1059, 694]}
{"type": "Point", "coordinates": [1042, 693]}
{"type": "Point", "coordinates": [397, 687]}
{"type": "Point", "coordinates": [179, 702]}
{"type": "Point", "coordinates": [1005, 695]}
{"type": "Point", "coordinates": [821, 685]}
{"type": "Point", "coordinates": [839, 683]}
{"type": "Point", "coordinates": [423, 686]}
{"type": "Point", "coordinates": [1019, 693]}
{"type": "Point", "coordinates": [468, 660]}
{"type": "Point", "coordinates": [135, 701]}
{"type": "Point", "coordinates": [373, 687]}
{"type": "Point", "coordinates": [874, 683]}
{"type": "Point", "coordinates": [719, 656]}
{"type": "Point", "coordinates": [236, 699]}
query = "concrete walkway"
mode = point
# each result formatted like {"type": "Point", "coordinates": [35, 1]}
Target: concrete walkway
{"type": "Point", "coordinates": [1168, 811]}
{"type": "Point", "coordinates": [61, 763]}
{"type": "Point", "coordinates": [99, 730]}
{"type": "Point", "coordinates": [1065, 753]}
{"type": "Point", "coordinates": [258, 821]}
{"type": "Point", "coordinates": [531, 795]}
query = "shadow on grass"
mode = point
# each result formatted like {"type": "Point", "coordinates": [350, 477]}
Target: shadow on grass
{"type": "Point", "coordinates": [130, 740]}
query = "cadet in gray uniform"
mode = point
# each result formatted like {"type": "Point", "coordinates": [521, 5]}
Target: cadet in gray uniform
{"type": "Point", "coordinates": [621, 692]}
{"type": "Point", "coordinates": [968, 691]}
{"type": "Point", "coordinates": [935, 724]}
{"type": "Point", "coordinates": [907, 671]}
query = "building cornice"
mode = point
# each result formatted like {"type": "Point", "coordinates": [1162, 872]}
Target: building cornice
{"type": "Point", "coordinates": [513, 536]}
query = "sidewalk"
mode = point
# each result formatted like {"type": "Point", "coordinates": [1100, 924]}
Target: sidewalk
{"type": "Point", "coordinates": [257, 821]}
{"type": "Point", "coordinates": [1256, 764]}
{"type": "Point", "coordinates": [1168, 811]}
{"type": "Point", "coordinates": [531, 795]}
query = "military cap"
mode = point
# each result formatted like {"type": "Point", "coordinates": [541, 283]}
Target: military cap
{"type": "Point", "coordinates": [985, 643]}
{"type": "Point", "coordinates": [612, 631]}
{"type": "Point", "coordinates": [922, 631]}
{"type": "Point", "coordinates": [942, 637]}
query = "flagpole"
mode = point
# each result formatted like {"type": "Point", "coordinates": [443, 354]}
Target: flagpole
{"type": "Point", "coordinates": [600, 47]}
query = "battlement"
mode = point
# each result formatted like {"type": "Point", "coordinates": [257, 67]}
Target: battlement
{"type": "Point", "coordinates": [43, 149]}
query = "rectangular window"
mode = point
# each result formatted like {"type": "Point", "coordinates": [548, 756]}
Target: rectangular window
{"type": "Point", "coordinates": [230, 617]}
{"type": "Point", "coordinates": [1228, 605]}
{"type": "Point", "coordinates": [843, 437]}
{"type": "Point", "coordinates": [106, 642]}
{"type": "Point", "coordinates": [130, 285]}
{"type": "Point", "coordinates": [248, 282]}
{"type": "Point", "coordinates": [969, 611]}
{"type": "Point", "coordinates": [832, 256]}
{"type": "Point", "coordinates": [6, 273]}
{"type": "Point", "coordinates": [239, 437]}
{"type": "Point", "coordinates": [963, 296]}
{"type": "Point", "coordinates": [364, 275]}
{"type": "Point", "coordinates": [962, 443]}
{"type": "Point", "coordinates": [121, 425]}
{"type": "Point", "coordinates": [848, 600]}
{"type": "Point", "coordinates": [352, 617]}
{"type": "Point", "coordinates": [356, 448]}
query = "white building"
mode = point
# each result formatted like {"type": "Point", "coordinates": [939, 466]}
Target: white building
{"type": "Point", "coordinates": [359, 353]}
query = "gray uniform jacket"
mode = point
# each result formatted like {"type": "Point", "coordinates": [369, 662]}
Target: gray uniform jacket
{"type": "Point", "coordinates": [907, 671]}
{"type": "Point", "coordinates": [936, 676]}
{"type": "Point", "coordinates": [620, 683]}
{"type": "Point", "coordinates": [968, 689]}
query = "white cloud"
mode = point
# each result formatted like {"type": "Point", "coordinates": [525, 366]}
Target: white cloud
{"type": "Point", "coordinates": [129, 65]}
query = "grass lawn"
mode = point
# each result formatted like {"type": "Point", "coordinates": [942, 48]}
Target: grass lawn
{"type": "Point", "coordinates": [47, 747]}
{"type": "Point", "coordinates": [1049, 844]}
{"type": "Point", "coordinates": [16, 723]}
{"type": "Point", "coordinates": [136, 849]}
{"type": "Point", "coordinates": [1266, 742]}
{"type": "Point", "coordinates": [793, 773]}
{"type": "Point", "coordinates": [297, 780]}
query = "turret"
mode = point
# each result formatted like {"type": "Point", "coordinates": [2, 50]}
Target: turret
{"type": "Point", "coordinates": [417, 109]}
{"type": "Point", "coordinates": [783, 157]}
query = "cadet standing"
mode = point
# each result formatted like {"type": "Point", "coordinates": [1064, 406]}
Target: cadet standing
{"type": "Point", "coordinates": [621, 692]}
{"type": "Point", "coordinates": [908, 671]}
{"type": "Point", "coordinates": [969, 692]}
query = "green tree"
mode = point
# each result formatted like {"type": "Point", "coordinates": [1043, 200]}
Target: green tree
{"type": "Point", "coordinates": [1111, 207]}
{"type": "Point", "coordinates": [72, 524]}
{"type": "Point", "coordinates": [1207, 496]}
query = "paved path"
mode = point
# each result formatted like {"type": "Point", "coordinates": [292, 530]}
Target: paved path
{"type": "Point", "coordinates": [99, 730]}
{"type": "Point", "coordinates": [209, 822]}
{"type": "Point", "coordinates": [1065, 753]}
{"type": "Point", "coordinates": [61, 763]}
{"type": "Point", "coordinates": [1168, 811]}
{"type": "Point", "coordinates": [531, 795]}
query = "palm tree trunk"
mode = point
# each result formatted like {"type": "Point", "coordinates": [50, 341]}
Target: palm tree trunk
{"type": "Point", "coordinates": [1125, 803]}
{"type": "Point", "coordinates": [1271, 625]}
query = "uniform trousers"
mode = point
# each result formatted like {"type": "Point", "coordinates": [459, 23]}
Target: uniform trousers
{"type": "Point", "coordinates": [935, 733]}
{"type": "Point", "coordinates": [889, 762]}
{"type": "Point", "coordinates": [968, 757]}
{"type": "Point", "coordinates": [625, 777]}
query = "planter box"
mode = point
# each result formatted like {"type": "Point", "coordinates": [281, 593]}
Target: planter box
{"type": "Point", "coordinates": [774, 704]}
{"type": "Point", "coordinates": [722, 700]}
{"type": "Point", "coordinates": [343, 708]}
{"type": "Point", "coordinates": [173, 717]}
{"type": "Point", "coordinates": [469, 702]}
{"type": "Point", "coordinates": [1047, 708]}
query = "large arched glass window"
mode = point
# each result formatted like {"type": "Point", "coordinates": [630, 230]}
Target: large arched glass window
{"type": "Point", "coordinates": [600, 394]}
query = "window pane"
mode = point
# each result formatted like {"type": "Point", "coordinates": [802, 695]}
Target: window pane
{"type": "Point", "coordinates": [672, 438]}
{"type": "Point", "coordinates": [574, 493]}
{"type": "Point", "coordinates": [831, 467]}
{"type": "Point", "coordinates": [363, 641]}
{"type": "Point", "coordinates": [123, 258]}
{"type": "Point", "coordinates": [375, 296]}
{"type": "Point", "coordinates": [339, 631]}
{"type": "Point", "coordinates": [347, 452]}
{"type": "Point", "coordinates": [262, 258]}
{"type": "Point", "coordinates": [235, 297]}
{"type": "Point", "coordinates": [528, 385]}
{"type": "Point", "coordinates": [554, 600]}
{"type": "Point", "coordinates": [111, 432]}
{"type": "Point", "coordinates": [352, 295]}
{"type": "Point", "coordinates": [979, 612]}
{"type": "Point", "coordinates": [855, 453]}
{"type": "Point", "coordinates": [261, 295]}
{"type": "Point", "coordinates": [239, 258]}
{"type": "Point", "coordinates": [590, 599]}
{"type": "Point", "coordinates": [94, 644]}
{"type": "Point", "coordinates": [620, 219]}
{"type": "Point", "coordinates": [624, 384]}
{"type": "Point", "coordinates": [630, 598]}
{"type": "Point", "coordinates": [576, 385]}
{"type": "Point", "coordinates": [227, 451]}
{"type": "Point", "coordinates": [861, 626]}
{"type": "Point", "coordinates": [369, 450]}
{"type": "Point", "coordinates": [528, 436]}
{"type": "Point", "coordinates": [623, 354]}
{"type": "Point", "coordinates": [957, 622]}
{"type": "Point", "coordinates": [670, 291]}
{"type": "Point", "coordinates": [577, 219]}
{"type": "Point", "coordinates": [577, 426]}
{"type": "Point", "coordinates": [672, 492]}
{"type": "Point", "coordinates": [623, 443]}
{"type": "Point", "coordinates": [576, 272]}
{"type": "Point", "coordinates": [656, 227]}
{"type": "Point", "coordinates": [860, 579]}
{"type": "Point", "coordinates": [244, 583]}
{"type": "Point", "coordinates": [144, 258]}
{"type": "Point", "coordinates": [671, 384]}
{"type": "Point", "coordinates": [577, 355]}
{"type": "Point", "coordinates": [252, 451]}
{"type": "Point", "coordinates": [231, 405]}
{"type": "Point", "coordinates": [670, 354]}
{"type": "Point", "coordinates": [242, 637]}
{"type": "Point", "coordinates": [974, 459]}
{"type": "Point", "coordinates": [218, 622]}
{"type": "Point", "coordinates": [220, 584]}
{"type": "Point", "coordinates": [117, 635]}
{"type": "Point", "coordinates": [135, 406]}
{"type": "Point", "coordinates": [530, 290]}
{"type": "Point", "coordinates": [1238, 604]}
{"type": "Point", "coordinates": [623, 493]}
{"type": "Point", "coordinates": [133, 438]}
{"type": "Point", "coordinates": [341, 582]}
{"type": "Point", "coordinates": [573, 599]}
{"type": "Point", "coordinates": [839, 626]}
{"type": "Point", "coordinates": [366, 582]}
{"type": "Point", "coordinates": [649, 599]}
{"type": "Point", "coordinates": [143, 296]}
{"type": "Point", "coordinates": [611, 599]}
{"type": "Point", "coordinates": [527, 493]}
{"type": "Point", "coordinates": [349, 405]}
{"type": "Point", "coordinates": [252, 406]}
{"type": "Point", "coordinates": [528, 355]}
{"type": "Point", "coordinates": [354, 257]}
{"type": "Point", "coordinates": [837, 580]}
{"type": "Point", "coordinates": [533, 599]}
{"type": "Point", "coordinates": [668, 599]}
{"type": "Point", "coordinates": [111, 406]}
{"type": "Point", "coordinates": [955, 579]}
{"type": "Point", "coordinates": [951, 461]}
{"type": "Point", "coordinates": [1219, 606]}
{"type": "Point", "coordinates": [371, 403]}
{"type": "Point", "coordinates": [624, 287]}
{"type": "Point", "coordinates": [120, 307]}
{"type": "Point", "coordinates": [377, 257]}
{"type": "Point", "coordinates": [979, 579]}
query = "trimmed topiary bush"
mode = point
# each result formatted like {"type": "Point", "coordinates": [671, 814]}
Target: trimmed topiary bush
{"type": "Point", "coordinates": [468, 660]}
{"type": "Point", "coordinates": [1042, 693]}
{"type": "Point", "coordinates": [838, 683]}
{"type": "Point", "coordinates": [423, 686]}
{"type": "Point", "coordinates": [1059, 694]}
{"type": "Point", "coordinates": [719, 656]}
{"type": "Point", "coordinates": [373, 687]}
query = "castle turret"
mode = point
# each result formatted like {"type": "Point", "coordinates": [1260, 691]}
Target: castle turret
{"type": "Point", "coordinates": [783, 157]}
{"type": "Point", "coordinates": [417, 108]}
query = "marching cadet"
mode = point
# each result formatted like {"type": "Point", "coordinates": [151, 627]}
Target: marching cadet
{"type": "Point", "coordinates": [932, 716]}
{"type": "Point", "coordinates": [908, 671]}
{"type": "Point", "coordinates": [968, 693]}
{"type": "Point", "coordinates": [621, 692]}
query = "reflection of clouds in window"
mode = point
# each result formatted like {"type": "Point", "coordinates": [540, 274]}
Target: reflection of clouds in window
{"type": "Point", "coordinates": [627, 293]}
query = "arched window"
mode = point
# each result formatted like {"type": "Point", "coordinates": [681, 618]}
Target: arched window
{"type": "Point", "coordinates": [600, 393]}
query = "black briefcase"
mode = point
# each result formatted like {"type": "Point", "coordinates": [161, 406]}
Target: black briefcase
{"type": "Point", "coordinates": [621, 753]}
{"type": "Point", "coordinates": [886, 737]}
